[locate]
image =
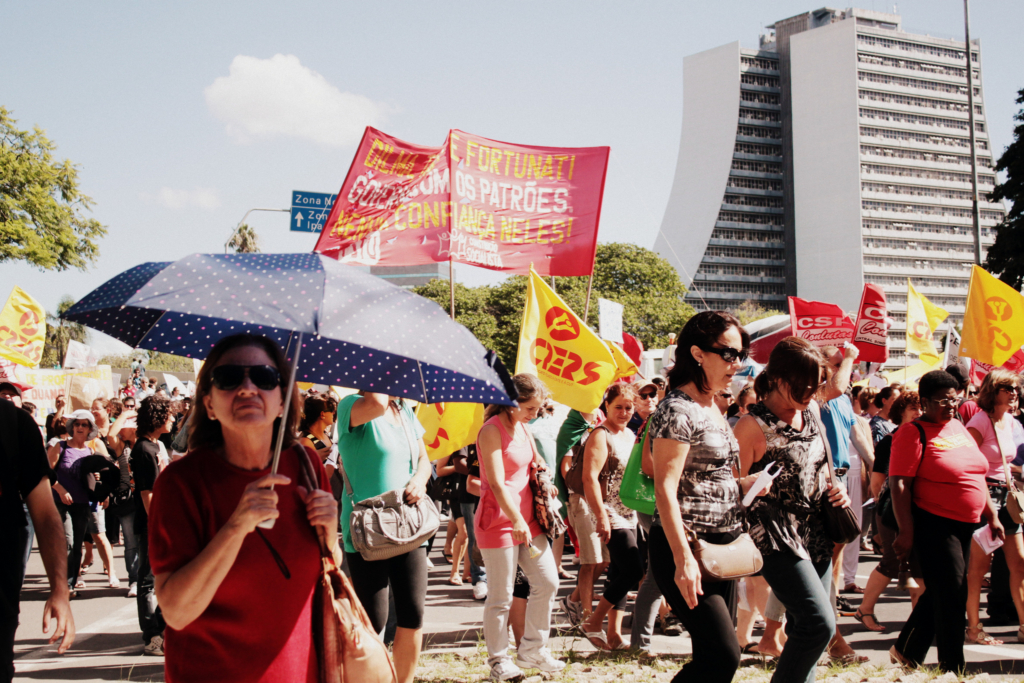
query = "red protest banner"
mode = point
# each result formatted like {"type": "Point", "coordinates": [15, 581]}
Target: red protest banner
{"type": "Point", "coordinates": [820, 323]}
{"type": "Point", "coordinates": [979, 369]}
{"type": "Point", "coordinates": [870, 331]}
{"type": "Point", "coordinates": [490, 204]}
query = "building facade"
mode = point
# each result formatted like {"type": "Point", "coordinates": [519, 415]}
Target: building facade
{"type": "Point", "coordinates": [870, 180]}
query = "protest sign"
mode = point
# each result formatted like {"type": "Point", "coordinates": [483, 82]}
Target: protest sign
{"type": "Point", "coordinates": [820, 323]}
{"type": "Point", "coordinates": [870, 333]}
{"type": "Point", "coordinates": [80, 355]}
{"type": "Point", "coordinates": [610, 314]}
{"type": "Point", "coordinates": [82, 387]}
{"type": "Point", "coordinates": [22, 329]}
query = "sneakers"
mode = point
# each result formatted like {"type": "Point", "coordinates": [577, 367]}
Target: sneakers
{"type": "Point", "coordinates": [670, 626]}
{"type": "Point", "coordinates": [505, 670]}
{"type": "Point", "coordinates": [133, 590]}
{"type": "Point", "coordinates": [480, 590]}
{"type": "Point", "coordinates": [845, 607]}
{"type": "Point", "coordinates": [155, 647]}
{"type": "Point", "coordinates": [542, 660]}
{"type": "Point", "coordinates": [573, 610]}
{"type": "Point", "coordinates": [114, 582]}
{"type": "Point", "coordinates": [430, 563]}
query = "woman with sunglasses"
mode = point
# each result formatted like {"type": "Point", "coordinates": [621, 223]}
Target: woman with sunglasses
{"type": "Point", "coordinates": [992, 429]}
{"type": "Point", "coordinates": [783, 428]}
{"type": "Point", "coordinates": [695, 459]}
{"type": "Point", "coordinates": [237, 598]}
{"type": "Point", "coordinates": [939, 495]}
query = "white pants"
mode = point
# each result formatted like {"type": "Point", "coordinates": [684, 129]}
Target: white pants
{"type": "Point", "coordinates": [501, 566]}
{"type": "Point", "coordinates": [851, 553]}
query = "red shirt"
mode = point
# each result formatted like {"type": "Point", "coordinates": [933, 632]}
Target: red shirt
{"type": "Point", "coordinates": [949, 475]}
{"type": "Point", "coordinates": [258, 626]}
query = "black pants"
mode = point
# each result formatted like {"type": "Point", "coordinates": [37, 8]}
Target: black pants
{"type": "Point", "coordinates": [12, 575]}
{"type": "Point", "coordinates": [625, 569]}
{"type": "Point", "coordinates": [76, 520]}
{"type": "Point", "coordinates": [407, 575]}
{"type": "Point", "coordinates": [716, 652]}
{"type": "Point", "coordinates": [151, 619]}
{"type": "Point", "coordinates": [944, 547]}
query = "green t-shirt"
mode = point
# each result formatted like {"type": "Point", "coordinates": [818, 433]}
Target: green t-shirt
{"type": "Point", "coordinates": [377, 457]}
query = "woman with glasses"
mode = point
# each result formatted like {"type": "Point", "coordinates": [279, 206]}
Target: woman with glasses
{"type": "Point", "coordinates": [939, 495]}
{"type": "Point", "coordinates": [785, 524]}
{"type": "Point", "coordinates": [992, 429]}
{"type": "Point", "coordinates": [237, 598]}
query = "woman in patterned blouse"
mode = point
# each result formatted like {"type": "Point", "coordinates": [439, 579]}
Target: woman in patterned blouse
{"type": "Point", "coordinates": [695, 461]}
{"type": "Point", "coordinates": [786, 524]}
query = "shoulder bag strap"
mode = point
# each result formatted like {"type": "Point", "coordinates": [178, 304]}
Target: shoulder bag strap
{"type": "Point", "coordinates": [414, 452]}
{"type": "Point", "coordinates": [1010, 483]}
{"type": "Point", "coordinates": [828, 449]}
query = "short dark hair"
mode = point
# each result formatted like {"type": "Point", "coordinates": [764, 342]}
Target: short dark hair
{"type": "Point", "coordinates": [314, 406]}
{"type": "Point", "coordinates": [960, 375]}
{"type": "Point", "coordinates": [936, 381]}
{"type": "Point", "coordinates": [796, 363]}
{"type": "Point", "coordinates": [883, 395]}
{"type": "Point", "coordinates": [702, 331]}
{"type": "Point", "coordinates": [153, 412]}
{"type": "Point", "coordinates": [908, 399]}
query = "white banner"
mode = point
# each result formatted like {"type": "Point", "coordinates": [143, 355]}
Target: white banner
{"type": "Point", "coordinates": [611, 320]}
{"type": "Point", "coordinates": [80, 356]}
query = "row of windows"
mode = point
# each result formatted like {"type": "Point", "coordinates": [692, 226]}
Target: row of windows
{"type": "Point", "coordinates": [759, 132]}
{"type": "Point", "coordinates": [760, 114]}
{"type": "Point", "coordinates": [930, 210]}
{"type": "Point", "coordinates": [945, 301]}
{"type": "Point", "coordinates": [917, 264]}
{"type": "Point", "coordinates": [936, 282]}
{"type": "Point", "coordinates": [753, 200]}
{"type": "Point", "coordinates": [916, 83]}
{"type": "Point", "coordinates": [756, 166]}
{"type": "Point", "coordinates": [919, 155]}
{"type": "Point", "coordinates": [740, 287]}
{"type": "Point", "coordinates": [933, 247]}
{"type": "Point", "coordinates": [760, 63]}
{"type": "Point", "coordinates": [917, 191]}
{"type": "Point", "coordinates": [907, 46]}
{"type": "Point", "coordinates": [926, 228]}
{"type": "Point", "coordinates": [924, 102]}
{"type": "Point", "coordinates": [925, 174]}
{"type": "Point", "coordinates": [760, 97]}
{"type": "Point", "coordinates": [761, 150]}
{"type": "Point", "coordinates": [733, 269]}
{"type": "Point", "coordinates": [754, 218]}
{"type": "Point", "coordinates": [758, 79]}
{"type": "Point", "coordinates": [745, 235]}
{"type": "Point", "coordinates": [924, 138]}
{"type": "Point", "coordinates": [913, 65]}
{"type": "Point", "coordinates": [920, 119]}
{"type": "Point", "coordinates": [744, 252]}
{"type": "Point", "coordinates": [754, 183]}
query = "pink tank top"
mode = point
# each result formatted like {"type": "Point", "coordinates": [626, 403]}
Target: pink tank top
{"type": "Point", "coordinates": [493, 526]}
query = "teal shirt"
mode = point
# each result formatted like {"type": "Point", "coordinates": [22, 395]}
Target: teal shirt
{"type": "Point", "coordinates": [377, 457]}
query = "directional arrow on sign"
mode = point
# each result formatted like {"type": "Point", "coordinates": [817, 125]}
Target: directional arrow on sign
{"type": "Point", "coordinates": [298, 220]}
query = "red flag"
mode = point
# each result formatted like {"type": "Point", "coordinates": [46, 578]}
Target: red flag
{"type": "Point", "coordinates": [979, 369]}
{"type": "Point", "coordinates": [820, 323]}
{"type": "Point", "coordinates": [870, 332]}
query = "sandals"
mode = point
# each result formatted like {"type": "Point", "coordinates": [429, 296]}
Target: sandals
{"type": "Point", "coordinates": [564, 575]}
{"type": "Point", "coordinates": [853, 588]}
{"type": "Point", "coordinates": [981, 638]}
{"type": "Point", "coordinates": [896, 657]}
{"type": "Point", "coordinates": [848, 659]}
{"type": "Point", "coordinates": [455, 580]}
{"type": "Point", "coordinates": [861, 616]}
{"type": "Point", "coordinates": [596, 639]}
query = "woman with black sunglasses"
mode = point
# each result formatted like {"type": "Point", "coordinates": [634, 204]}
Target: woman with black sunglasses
{"type": "Point", "coordinates": [238, 599]}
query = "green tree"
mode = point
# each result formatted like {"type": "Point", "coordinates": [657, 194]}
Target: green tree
{"type": "Point", "coordinates": [1006, 255]}
{"type": "Point", "coordinates": [244, 240]}
{"type": "Point", "coordinates": [164, 362]}
{"type": "Point", "coordinates": [645, 284]}
{"type": "Point", "coordinates": [749, 311]}
{"type": "Point", "coordinates": [41, 206]}
{"type": "Point", "coordinates": [58, 333]}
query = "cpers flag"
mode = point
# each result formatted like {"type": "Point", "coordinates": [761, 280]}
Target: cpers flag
{"type": "Point", "coordinates": [994, 320]}
{"type": "Point", "coordinates": [491, 204]}
{"type": "Point", "coordinates": [820, 323]}
{"type": "Point", "coordinates": [922, 318]}
{"type": "Point", "coordinates": [449, 426]}
{"type": "Point", "coordinates": [22, 329]}
{"type": "Point", "coordinates": [872, 324]}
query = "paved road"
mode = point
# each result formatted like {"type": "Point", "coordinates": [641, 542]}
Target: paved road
{"type": "Point", "coordinates": [109, 648]}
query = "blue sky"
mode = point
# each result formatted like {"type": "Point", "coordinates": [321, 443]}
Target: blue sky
{"type": "Point", "coordinates": [181, 118]}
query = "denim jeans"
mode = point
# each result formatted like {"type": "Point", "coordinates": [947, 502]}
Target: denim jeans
{"type": "Point", "coordinates": [648, 600]}
{"type": "Point", "coordinates": [131, 546]}
{"type": "Point", "coordinates": [803, 588]}
{"type": "Point", "coordinates": [29, 538]}
{"type": "Point", "coordinates": [76, 519]}
{"type": "Point", "coordinates": [151, 619]}
{"type": "Point", "coordinates": [477, 573]}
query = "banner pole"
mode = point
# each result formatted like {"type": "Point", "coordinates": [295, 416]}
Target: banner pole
{"type": "Point", "coordinates": [586, 307]}
{"type": "Point", "coordinates": [451, 284]}
{"type": "Point", "coordinates": [553, 284]}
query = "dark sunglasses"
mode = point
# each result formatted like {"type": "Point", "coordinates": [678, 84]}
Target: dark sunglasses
{"type": "Point", "coordinates": [648, 394]}
{"type": "Point", "coordinates": [728, 354]}
{"type": "Point", "coordinates": [230, 377]}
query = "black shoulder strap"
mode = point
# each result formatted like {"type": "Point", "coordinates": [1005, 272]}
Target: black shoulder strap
{"type": "Point", "coordinates": [828, 448]}
{"type": "Point", "coordinates": [924, 439]}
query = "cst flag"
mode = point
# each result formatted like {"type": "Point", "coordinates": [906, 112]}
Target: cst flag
{"type": "Point", "coordinates": [563, 352]}
{"type": "Point", "coordinates": [994, 321]}
{"type": "Point", "coordinates": [449, 426]}
{"type": "Point", "coordinates": [922, 318]}
{"type": "Point", "coordinates": [22, 329]}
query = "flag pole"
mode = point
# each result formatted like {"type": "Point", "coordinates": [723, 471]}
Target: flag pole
{"type": "Point", "coordinates": [970, 123]}
{"type": "Point", "coordinates": [586, 307]}
{"type": "Point", "coordinates": [451, 284]}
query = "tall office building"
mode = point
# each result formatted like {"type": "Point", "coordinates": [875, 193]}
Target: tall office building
{"type": "Point", "coordinates": [849, 162]}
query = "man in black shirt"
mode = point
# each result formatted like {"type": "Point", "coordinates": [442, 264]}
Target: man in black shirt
{"type": "Point", "coordinates": [24, 481]}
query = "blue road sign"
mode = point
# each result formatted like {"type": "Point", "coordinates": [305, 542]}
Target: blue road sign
{"type": "Point", "coordinates": [310, 210]}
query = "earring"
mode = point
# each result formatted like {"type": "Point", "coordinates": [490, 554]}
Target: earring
{"type": "Point", "coordinates": [699, 364]}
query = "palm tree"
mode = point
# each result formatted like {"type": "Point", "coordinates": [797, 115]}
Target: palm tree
{"type": "Point", "coordinates": [58, 333]}
{"type": "Point", "coordinates": [244, 240]}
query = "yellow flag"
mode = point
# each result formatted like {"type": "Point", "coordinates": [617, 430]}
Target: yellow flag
{"type": "Point", "coordinates": [994, 320]}
{"type": "Point", "coordinates": [564, 353]}
{"type": "Point", "coordinates": [22, 329]}
{"type": "Point", "coordinates": [922, 318]}
{"type": "Point", "coordinates": [624, 365]}
{"type": "Point", "coordinates": [449, 426]}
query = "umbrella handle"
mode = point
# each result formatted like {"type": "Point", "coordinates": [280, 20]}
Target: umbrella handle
{"type": "Point", "coordinates": [269, 523]}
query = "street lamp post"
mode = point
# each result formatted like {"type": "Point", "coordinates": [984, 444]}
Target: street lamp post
{"type": "Point", "coordinates": [242, 222]}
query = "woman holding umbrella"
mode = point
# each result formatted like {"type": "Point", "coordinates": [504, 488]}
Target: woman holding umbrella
{"type": "Point", "coordinates": [238, 604]}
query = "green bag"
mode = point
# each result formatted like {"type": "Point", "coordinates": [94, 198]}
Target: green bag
{"type": "Point", "coordinates": [637, 489]}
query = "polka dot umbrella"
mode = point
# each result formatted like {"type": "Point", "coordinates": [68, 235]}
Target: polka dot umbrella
{"type": "Point", "coordinates": [351, 329]}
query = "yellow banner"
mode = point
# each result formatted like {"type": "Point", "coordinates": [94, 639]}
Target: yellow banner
{"type": "Point", "coordinates": [564, 353]}
{"type": "Point", "coordinates": [994, 321]}
{"type": "Point", "coordinates": [449, 426]}
{"type": "Point", "coordinates": [624, 366]}
{"type": "Point", "coordinates": [922, 318]}
{"type": "Point", "coordinates": [22, 329]}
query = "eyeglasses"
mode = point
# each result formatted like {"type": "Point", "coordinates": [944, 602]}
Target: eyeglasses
{"type": "Point", "coordinates": [230, 377]}
{"type": "Point", "coordinates": [648, 395]}
{"type": "Point", "coordinates": [728, 354]}
{"type": "Point", "coordinates": [725, 395]}
{"type": "Point", "coordinates": [1010, 390]}
{"type": "Point", "coordinates": [947, 402]}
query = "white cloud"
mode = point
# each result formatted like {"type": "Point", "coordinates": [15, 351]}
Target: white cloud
{"type": "Point", "coordinates": [267, 98]}
{"type": "Point", "coordinates": [168, 197]}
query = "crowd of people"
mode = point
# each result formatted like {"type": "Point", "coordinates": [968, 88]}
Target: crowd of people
{"type": "Point", "coordinates": [185, 485]}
